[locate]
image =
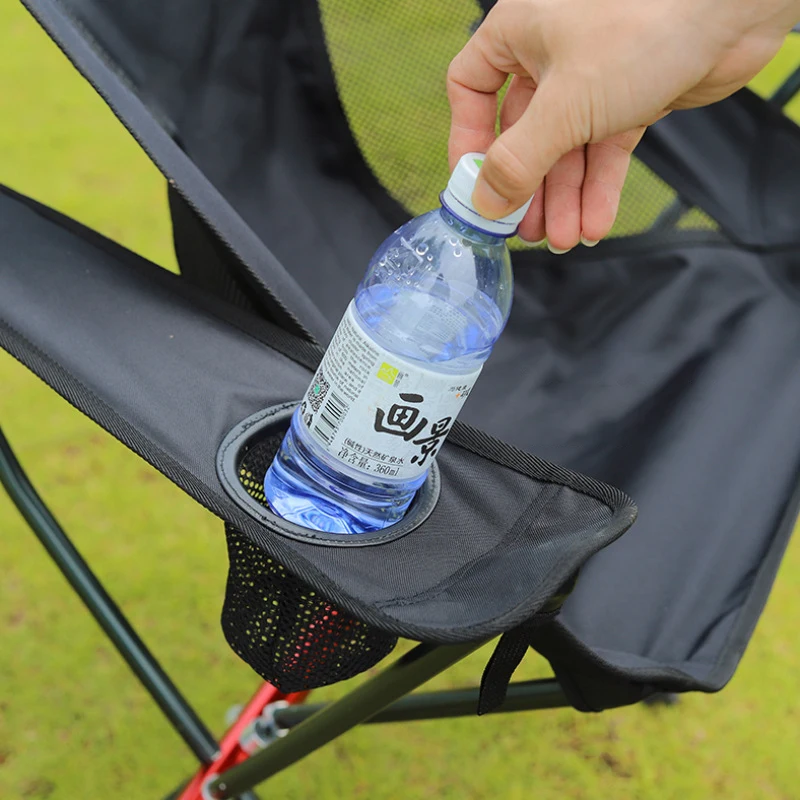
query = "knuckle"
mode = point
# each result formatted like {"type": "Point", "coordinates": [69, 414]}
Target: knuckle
{"type": "Point", "coordinates": [454, 79]}
{"type": "Point", "coordinates": [452, 70]}
{"type": "Point", "coordinates": [577, 105]}
{"type": "Point", "coordinates": [578, 121]}
{"type": "Point", "coordinates": [614, 147]}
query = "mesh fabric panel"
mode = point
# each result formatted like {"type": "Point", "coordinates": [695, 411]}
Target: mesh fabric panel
{"type": "Point", "coordinates": [288, 633]}
{"type": "Point", "coordinates": [390, 63]}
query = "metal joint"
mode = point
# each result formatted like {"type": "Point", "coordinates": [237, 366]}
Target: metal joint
{"type": "Point", "coordinates": [264, 729]}
{"type": "Point", "coordinates": [205, 789]}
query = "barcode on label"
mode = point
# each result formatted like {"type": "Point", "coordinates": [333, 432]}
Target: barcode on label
{"type": "Point", "coordinates": [331, 416]}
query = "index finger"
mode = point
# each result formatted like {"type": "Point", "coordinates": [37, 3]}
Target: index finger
{"type": "Point", "coordinates": [472, 86]}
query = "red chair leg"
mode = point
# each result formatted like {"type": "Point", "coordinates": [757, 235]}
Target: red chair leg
{"type": "Point", "coordinates": [248, 734]}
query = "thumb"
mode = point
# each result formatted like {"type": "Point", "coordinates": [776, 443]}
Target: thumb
{"type": "Point", "coordinates": [518, 160]}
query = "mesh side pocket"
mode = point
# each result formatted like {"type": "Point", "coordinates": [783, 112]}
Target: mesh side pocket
{"type": "Point", "coordinates": [287, 632]}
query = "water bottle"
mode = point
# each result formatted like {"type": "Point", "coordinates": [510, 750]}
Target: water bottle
{"type": "Point", "coordinates": [435, 298]}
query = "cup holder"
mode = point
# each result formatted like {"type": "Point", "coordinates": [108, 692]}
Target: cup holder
{"type": "Point", "coordinates": [248, 450]}
{"type": "Point", "coordinates": [290, 634]}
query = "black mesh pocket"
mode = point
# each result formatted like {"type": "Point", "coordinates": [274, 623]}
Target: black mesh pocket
{"type": "Point", "coordinates": [287, 632]}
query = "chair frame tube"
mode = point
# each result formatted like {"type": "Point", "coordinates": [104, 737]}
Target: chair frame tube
{"type": "Point", "coordinates": [301, 729]}
{"type": "Point", "coordinates": [108, 615]}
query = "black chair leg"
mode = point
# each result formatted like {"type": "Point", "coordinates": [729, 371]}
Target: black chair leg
{"type": "Point", "coordinates": [108, 615]}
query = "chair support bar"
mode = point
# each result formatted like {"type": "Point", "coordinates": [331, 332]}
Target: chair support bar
{"type": "Point", "coordinates": [672, 215]}
{"type": "Point", "coordinates": [403, 676]}
{"type": "Point", "coordinates": [521, 696]}
{"type": "Point", "coordinates": [786, 92]}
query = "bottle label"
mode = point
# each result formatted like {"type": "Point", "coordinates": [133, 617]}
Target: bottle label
{"type": "Point", "coordinates": [378, 412]}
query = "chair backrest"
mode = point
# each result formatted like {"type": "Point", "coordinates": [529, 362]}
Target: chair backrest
{"type": "Point", "coordinates": [296, 111]}
{"type": "Point", "coordinates": [390, 64]}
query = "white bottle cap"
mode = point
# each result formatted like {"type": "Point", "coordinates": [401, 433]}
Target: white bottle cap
{"type": "Point", "coordinates": [457, 199]}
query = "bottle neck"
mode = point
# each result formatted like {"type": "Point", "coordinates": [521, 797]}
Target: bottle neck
{"type": "Point", "coordinates": [468, 231]}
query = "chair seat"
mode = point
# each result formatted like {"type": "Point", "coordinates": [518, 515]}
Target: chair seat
{"type": "Point", "coordinates": [672, 373]}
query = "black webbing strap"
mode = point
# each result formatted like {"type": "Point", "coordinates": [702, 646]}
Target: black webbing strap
{"type": "Point", "coordinates": [511, 650]}
{"type": "Point", "coordinates": [505, 659]}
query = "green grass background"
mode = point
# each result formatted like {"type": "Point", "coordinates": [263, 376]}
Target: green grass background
{"type": "Point", "coordinates": [73, 722]}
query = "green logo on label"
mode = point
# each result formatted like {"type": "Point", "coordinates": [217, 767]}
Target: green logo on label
{"type": "Point", "coordinates": [388, 373]}
{"type": "Point", "coordinates": [478, 161]}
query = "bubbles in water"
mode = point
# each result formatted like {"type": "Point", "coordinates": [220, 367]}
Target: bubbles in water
{"type": "Point", "coordinates": [437, 317]}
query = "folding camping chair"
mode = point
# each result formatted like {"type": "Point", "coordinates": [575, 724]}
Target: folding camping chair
{"type": "Point", "coordinates": [663, 361]}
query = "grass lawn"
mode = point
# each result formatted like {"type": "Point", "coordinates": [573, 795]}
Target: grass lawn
{"type": "Point", "coordinates": [74, 723]}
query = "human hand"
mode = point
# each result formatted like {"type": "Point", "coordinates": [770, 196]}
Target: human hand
{"type": "Point", "coordinates": [589, 76]}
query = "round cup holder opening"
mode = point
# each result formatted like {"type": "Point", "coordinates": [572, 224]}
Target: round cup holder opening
{"type": "Point", "coordinates": [245, 455]}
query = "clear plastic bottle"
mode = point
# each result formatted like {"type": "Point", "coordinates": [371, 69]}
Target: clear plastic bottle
{"type": "Point", "coordinates": [435, 298]}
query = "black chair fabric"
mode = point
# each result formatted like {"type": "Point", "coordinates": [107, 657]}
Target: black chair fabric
{"type": "Point", "coordinates": [663, 363]}
{"type": "Point", "coordinates": [170, 370]}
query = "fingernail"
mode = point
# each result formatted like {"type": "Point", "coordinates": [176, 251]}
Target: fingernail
{"type": "Point", "coordinates": [489, 203]}
{"type": "Point", "coordinates": [588, 242]}
{"type": "Point", "coordinates": [556, 251]}
{"type": "Point", "coordinates": [532, 244]}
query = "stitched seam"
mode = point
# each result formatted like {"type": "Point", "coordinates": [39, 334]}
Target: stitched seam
{"type": "Point", "coordinates": [108, 415]}
{"type": "Point", "coordinates": [539, 503]}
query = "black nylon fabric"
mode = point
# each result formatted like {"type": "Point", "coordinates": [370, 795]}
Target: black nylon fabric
{"type": "Point", "coordinates": [672, 374]}
{"type": "Point", "coordinates": [664, 364]}
{"type": "Point", "coordinates": [737, 160]}
{"type": "Point", "coordinates": [169, 371]}
{"type": "Point", "coordinates": [280, 296]}
{"type": "Point", "coordinates": [246, 90]}
{"type": "Point", "coordinates": [127, 331]}
{"type": "Point", "coordinates": [202, 258]}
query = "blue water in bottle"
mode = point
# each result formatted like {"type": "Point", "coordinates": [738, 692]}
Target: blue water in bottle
{"type": "Point", "coordinates": [435, 298]}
